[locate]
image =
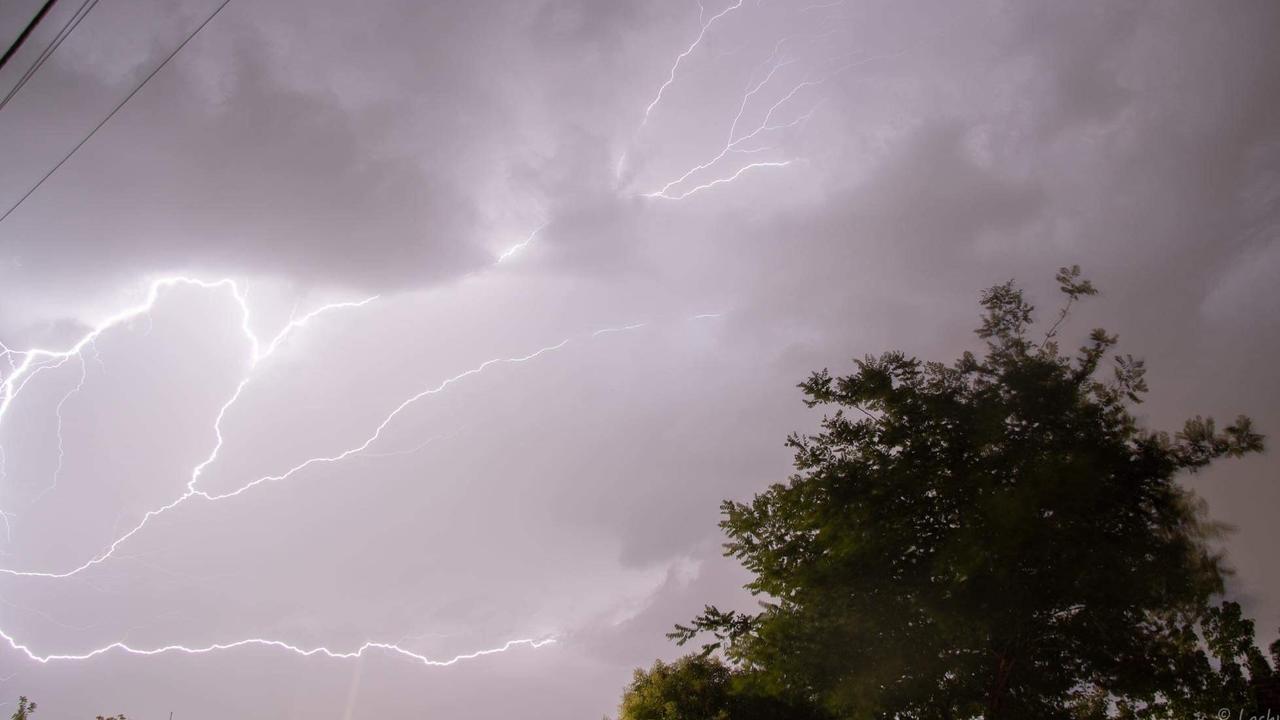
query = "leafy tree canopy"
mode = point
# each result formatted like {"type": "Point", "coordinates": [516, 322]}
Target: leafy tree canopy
{"type": "Point", "coordinates": [700, 687]}
{"type": "Point", "coordinates": [996, 537]}
{"type": "Point", "coordinates": [26, 709]}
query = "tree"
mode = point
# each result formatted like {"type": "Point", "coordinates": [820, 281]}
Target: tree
{"type": "Point", "coordinates": [1227, 669]}
{"type": "Point", "coordinates": [997, 537]}
{"type": "Point", "coordinates": [700, 687]}
{"type": "Point", "coordinates": [25, 709]}
{"type": "Point", "coordinates": [691, 688]}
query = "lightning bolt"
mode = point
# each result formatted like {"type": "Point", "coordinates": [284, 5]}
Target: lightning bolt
{"type": "Point", "coordinates": [520, 245]}
{"type": "Point", "coordinates": [7, 353]}
{"type": "Point", "coordinates": [36, 360]}
{"type": "Point", "coordinates": [721, 181]}
{"type": "Point", "coordinates": [26, 365]}
{"type": "Point", "coordinates": [675, 67]}
{"type": "Point", "coordinates": [57, 471]}
{"type": "Point", "coordinates": [822, 6]}
{"type": "Point", "coordinates": [193, 493]}
{"type": "Point", "coordinates": [624, 328]}
{"type": "Point", "coordinates": [735, 142]}
{"type": "Point", "coordinates": [277, 644]}
{"type": "Point", "coordinates": [684, 186]}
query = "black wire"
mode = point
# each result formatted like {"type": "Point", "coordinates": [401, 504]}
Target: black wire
{"type": "Point", "coordinates": [26, 32]}
{"type": "Point", "coordinates": [114, 111]}
{"type": "Point", "coordinates": [66, 31]}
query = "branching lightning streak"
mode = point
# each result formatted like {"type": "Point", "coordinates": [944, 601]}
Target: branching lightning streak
{"type": "Point", "coordinates": [671, 76]}
{"type": "Point", "coordinates": [734, 142]}
{"type": "Point", "coordinates": [377, 433]}
{"type": "Point", "coordinates": [40, 359]}
{"type": "Point", "coordinates": [264, 642]}
{"type": "Point", "coordinates": [192, 492]}
{"type": "Point", "coordinates": [7, 353]}
{"type": "Point", "coordinates": [36, 360]}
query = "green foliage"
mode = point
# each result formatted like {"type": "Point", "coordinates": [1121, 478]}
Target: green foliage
{"type": "Point", "coordinates": [700, 687]}
{"type": "Point", "coordinates": [995, 538]}
{"type": "Point", "coordinates": [25, 709]}
{"type": "Point", "coordinates": [1223, 669]}
{"type": "Point", "coordinates": [691, 688]}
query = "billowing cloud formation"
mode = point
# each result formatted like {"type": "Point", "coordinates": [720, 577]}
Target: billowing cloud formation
{"type": "Point", "coordinates": [856, 172]}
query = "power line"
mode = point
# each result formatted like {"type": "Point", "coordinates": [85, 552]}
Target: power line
{"type": "Point", "coordinates": [22, 36]}
{"type": "Point", "coordinates": [63, 34]}
{"type": "Point", "coordinates": [111, 114]}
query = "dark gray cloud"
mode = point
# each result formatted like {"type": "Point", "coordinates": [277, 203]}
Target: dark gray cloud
{"type": "Point", "coordinates": [321, 152]}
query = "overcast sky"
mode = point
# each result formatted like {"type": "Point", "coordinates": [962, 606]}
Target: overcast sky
{"type": "Point", "coordinates": [743, 192]}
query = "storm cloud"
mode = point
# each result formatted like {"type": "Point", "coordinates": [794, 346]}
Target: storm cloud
{"type": "Point", "coordinates": [869, 167]}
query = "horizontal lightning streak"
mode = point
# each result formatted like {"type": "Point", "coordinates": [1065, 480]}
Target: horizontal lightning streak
{"type": "Point", "coordinates": [723, 180]}
{"type": "Point", "coordinates": [279, 644]}
{"type": "Point", "coordinates": [624, 328]}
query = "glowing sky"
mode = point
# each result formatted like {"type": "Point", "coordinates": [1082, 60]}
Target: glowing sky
{"type": "Point", "coordinates": [401, 352]}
